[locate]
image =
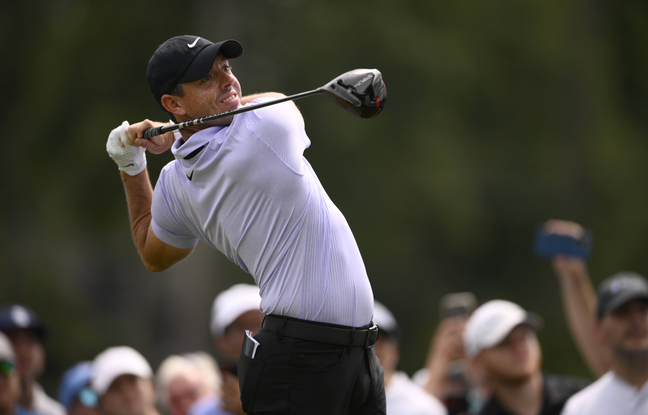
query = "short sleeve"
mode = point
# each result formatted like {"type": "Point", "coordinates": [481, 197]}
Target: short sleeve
{"type": "Point", "coordinates": [164, 221]}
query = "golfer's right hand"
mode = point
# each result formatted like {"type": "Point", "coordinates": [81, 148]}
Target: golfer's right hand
{"type": "Point", "coordinates": [129, 159]}
{"type": "Point", "coordinates": [156, 145]}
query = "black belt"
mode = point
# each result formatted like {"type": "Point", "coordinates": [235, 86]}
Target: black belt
{"type": "Point", "coordinates": [322, 332]}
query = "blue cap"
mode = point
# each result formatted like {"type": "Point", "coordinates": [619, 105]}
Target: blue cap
{"type": "Point", "coordinates": [18, 316]}
{"type": "Point", "coordinates": [75, 383]}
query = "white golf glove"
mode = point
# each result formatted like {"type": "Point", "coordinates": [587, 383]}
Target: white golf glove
{"type": "Point", "coordinates": [129, 159]}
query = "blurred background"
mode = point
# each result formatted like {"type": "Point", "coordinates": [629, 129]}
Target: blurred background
{"type": "Point", "coordinates": [500, 115]}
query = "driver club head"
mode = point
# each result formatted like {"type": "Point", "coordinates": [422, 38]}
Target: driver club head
{"type": "Point", "coordinates": [360, 92]}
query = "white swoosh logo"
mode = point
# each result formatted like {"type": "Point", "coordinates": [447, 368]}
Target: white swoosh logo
{"type": "Point", "coordinates": [193, 44]}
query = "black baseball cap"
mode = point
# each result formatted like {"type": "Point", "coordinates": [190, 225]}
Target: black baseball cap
{"type": "Point", "coordinates": [17, 316]}
{"type": "Point", "coordinates": [619, 289]}
{"type": "Point", "coordinates": [185, 59]}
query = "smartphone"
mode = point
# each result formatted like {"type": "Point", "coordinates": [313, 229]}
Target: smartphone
{"type": "Point", "coordinates": [457, 304]}
{"type": "Point", "coordinates": [548, 245]}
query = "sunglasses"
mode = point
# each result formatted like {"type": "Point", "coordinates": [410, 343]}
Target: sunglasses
{"type": "Point", "coordinates": [7, 367]}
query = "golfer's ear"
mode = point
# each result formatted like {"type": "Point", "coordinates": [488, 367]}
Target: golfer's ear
{"type": "Point", "coordinates": [171, 104]}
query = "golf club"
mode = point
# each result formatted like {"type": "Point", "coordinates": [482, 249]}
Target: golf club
{"type": "Point", "coordinates": [360, 92]}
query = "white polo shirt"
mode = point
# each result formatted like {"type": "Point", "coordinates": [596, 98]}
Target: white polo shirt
{"type": "Point", "coordinates": [43, 404]}
{"type": "Point", "coordinates": [610, 395]}
{"type": "Point", "coordinates": [405, 397]}
{"type": "Point", "coordinates": [247, 190]}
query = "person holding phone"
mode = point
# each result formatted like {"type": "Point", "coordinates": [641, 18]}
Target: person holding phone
{"type": "Point", "coordinates": [445, 374]}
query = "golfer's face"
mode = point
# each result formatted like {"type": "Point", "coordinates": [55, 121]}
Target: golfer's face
{"type": "Point", "coordinates": [219, 91]}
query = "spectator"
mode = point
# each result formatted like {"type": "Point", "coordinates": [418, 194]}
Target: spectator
{"type": "Point", "coordinates": [27, 334]}
{"type": "Point", "coordinates": [234, 310]}
{"type": "Point", "coordinates": [403, 395]}
{"type": "Point", "coordinates": [622, 328]}
{"type": "Point", "coordinates": [9, 381]}
{"type": "Point", "coordinates": [446, 374]}
{"type": "Point", "coordinates": [181, 381]}
{"type": "Point", "coordinates": [578, 298]}
{"type": "Point", "coordinates": [123, 380]}
{"type": "Point", "coordinates": [501, 345]}
{"type": "Point", "coordinates": [75, 392]}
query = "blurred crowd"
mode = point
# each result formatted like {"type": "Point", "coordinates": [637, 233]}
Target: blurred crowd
{"type": "Point", "coordinates": [482, 359]}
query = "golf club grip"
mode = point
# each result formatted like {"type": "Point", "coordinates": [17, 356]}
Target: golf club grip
{"type": "Point", "coordinates": [152, 132]}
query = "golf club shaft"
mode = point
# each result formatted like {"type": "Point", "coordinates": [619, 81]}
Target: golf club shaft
{"type": "Point", "coordinates": [152, 132]}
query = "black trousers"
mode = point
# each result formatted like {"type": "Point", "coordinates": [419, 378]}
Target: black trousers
{"type": "Point", "coordinates": [291, 376]}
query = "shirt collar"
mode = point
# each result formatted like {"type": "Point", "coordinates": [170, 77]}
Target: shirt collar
{"type": "Point", "coordinates": [185, 150]}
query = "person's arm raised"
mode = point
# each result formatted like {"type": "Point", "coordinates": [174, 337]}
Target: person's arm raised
{"type": "Point", "coordinates": [578, 299]}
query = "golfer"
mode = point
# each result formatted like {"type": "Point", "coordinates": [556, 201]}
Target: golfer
{"type": "Point", "coordinates": [242, 185]}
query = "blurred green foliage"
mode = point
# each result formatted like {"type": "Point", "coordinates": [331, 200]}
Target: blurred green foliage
{"type": "Point", "coordinates": [500, 115]}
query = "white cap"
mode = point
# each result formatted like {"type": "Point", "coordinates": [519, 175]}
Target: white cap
{"type": "Point", "coordinates": [231, 303]}
{"type": "Point", "coordinates": [117, 361]}
{"type": "Point", "coordinates": [6, 351]}
{"type": "Point", "coordinates": [490, 323]}
{"type": "Point", "coordinates": [386, 322]}
{"type": "Point", "coordinates": [384, 318]}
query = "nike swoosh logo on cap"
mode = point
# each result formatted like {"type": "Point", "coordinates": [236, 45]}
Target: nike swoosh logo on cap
{"type": "Point", "coordinates": [190, 176]}
{"type": "Point", "coordinates": [194, 43]}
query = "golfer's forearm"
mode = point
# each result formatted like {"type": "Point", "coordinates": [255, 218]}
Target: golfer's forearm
{"type": "Point", "coordinates": [139, 196]}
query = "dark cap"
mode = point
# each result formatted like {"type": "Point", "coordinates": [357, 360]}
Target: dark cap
{"type": "Point", "coordinates": [619, 289]}
{"type": "Point", "coordinates": [185, 59]}
{"type": "Point", "coordinates": [18, 316]}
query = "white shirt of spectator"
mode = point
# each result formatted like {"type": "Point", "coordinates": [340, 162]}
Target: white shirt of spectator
{"type": "Point", "coordinates": [406, 397]}
{"type": "Point", "coordinates": [44, 405]}
{"type": "Point", "coordinates": [610, 395]}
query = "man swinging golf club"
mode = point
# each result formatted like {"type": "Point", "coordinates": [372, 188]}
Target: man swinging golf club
{"type": "Point", "coordinates": [242, 185]}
